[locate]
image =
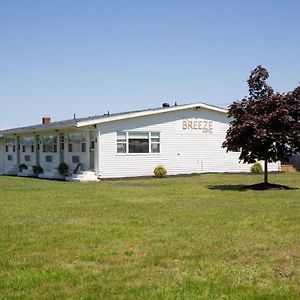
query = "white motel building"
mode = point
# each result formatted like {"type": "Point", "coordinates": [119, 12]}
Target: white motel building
{"type": "Point", "coordinates": [185, 139]}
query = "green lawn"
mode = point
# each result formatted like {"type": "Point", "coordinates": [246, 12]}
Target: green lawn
{"type": "Point", "coordinates": [177, 238]}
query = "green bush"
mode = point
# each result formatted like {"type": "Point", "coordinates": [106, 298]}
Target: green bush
{"type": "Point", "coordinates": [256, 168]}
{"type": "Point", "coordinates": [63, 169]}
{"type": "Point", "coordinates": [37, 170]}
{"type": "Point", "coordinates": [23, 167]}
{"type": "Point", "coordinates": [160, 172]}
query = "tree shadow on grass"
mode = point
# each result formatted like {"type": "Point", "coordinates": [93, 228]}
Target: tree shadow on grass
{"type": "Point", "coordinates": [228, 187]}
{"type": "Point", "coordinates": [255, 187]}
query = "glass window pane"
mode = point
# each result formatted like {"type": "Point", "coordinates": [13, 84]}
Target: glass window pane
{"type": "Point", "coordinates": [155, 148]}
{"type": "Point", "coordinates": [121, 136]}
{"type": "Point", "coordinates": [76, 147]}
{"type": "Point", "coordinates": [75, 137]}
{"type": "Point", "coordinates": [92, 145]}
{"type": "Point", "coordinates": [121, 148]}
{"type": "Point", "coordinates": [75, 159]}
{"type": "Point", "coordinates": [48, 158]}
{"type": "Point", "coordinates": [138, 135]}
{"type": "Point", "coordinates": [155, 134]}
{"type": "Point", "coordinates": [155, 140]}
{"type": "Point", "coordinates": [138, 146]}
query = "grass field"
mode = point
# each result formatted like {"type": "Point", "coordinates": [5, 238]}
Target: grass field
{"type": "Point", "coordinates": [177, 238]}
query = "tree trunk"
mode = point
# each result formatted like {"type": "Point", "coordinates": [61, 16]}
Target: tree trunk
{"type": "Point", "coordinates": [266, 172]}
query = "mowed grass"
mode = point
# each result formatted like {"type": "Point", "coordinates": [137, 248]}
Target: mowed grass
{"type": "Point", "coordinates": [194, 237]}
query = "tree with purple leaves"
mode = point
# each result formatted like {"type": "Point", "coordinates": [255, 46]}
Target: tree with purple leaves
{"type": "Point", "coordinates": [265, 125]}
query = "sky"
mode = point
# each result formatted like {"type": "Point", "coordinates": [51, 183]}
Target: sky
{"type": "Point", "coordinates": [60, 57]}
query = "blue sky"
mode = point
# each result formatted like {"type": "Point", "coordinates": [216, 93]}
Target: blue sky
{"type": "Point", "coordinates": [60, 57]}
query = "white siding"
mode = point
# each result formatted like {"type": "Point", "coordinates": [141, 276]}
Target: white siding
{"type": "Point", "coordinates": [47, 166]}
{"type": "Point", "coordinates": [182, 152]}
{"type": "Point", "coordinates": [1, 154]}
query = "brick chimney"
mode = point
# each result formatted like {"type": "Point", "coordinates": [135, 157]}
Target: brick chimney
{"type": "Point", "coordinates": [46, 120]}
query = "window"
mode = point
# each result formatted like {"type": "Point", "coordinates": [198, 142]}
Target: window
{"type": "Point", "coordinates": [49, 143]}
{"type": "Point", "coordinates": [27, 144]}
{"type": "Point", "coordinates": [92, 140]}
{"type": "Point", "coordinates": [10, 145]}
{"type": "Point", "coordinates": [155, 142]}
{"type": "Point", "coordinates": [62, 143]}
{"type": "Point", "coordinates": [27, 158]}
{"type": "Point", "coordinates": [121, 142]}
{"type": "Point", "coordinates": [138, 142]}
{"type": "Point", "coordinates": [75, 159]}
{"type": "Point", "coordinates": [9, 157]}
{"type": "Point", "coordinates": [48, 158]}
{"type": "Point", "coordinates": [76, 142]}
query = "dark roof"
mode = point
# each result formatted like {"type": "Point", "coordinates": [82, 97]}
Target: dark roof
{"type": "Point", "coordinates": [68, 123]}
{"type": "Point", "coordinates": [73, 122]}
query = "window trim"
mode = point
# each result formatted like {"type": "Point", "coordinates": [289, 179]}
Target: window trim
{"type": "Point", "coordinates": [127, 153]}
{"type": "Point", "coordinates": [82, 143]}
{"type": "Point", "coordinates": [45, 139]}
{"type": "Point", "coordinates": [49, 159]}
{"type": "Point", "coordinates": [10, 144]}
{"type": "Point", "coordinates": [26, 144]}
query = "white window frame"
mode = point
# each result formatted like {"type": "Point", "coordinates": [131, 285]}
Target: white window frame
{"type": "Point", "coordinates": [49, 143]}
{"type": "Point", "coordinates": [27, 142]}
{"type": "Point", "coordinates": [10, 145]}
{"type": "Point", "coordinates": [82, 143]}
{"type": "Point", "coordinates": [127, 143]}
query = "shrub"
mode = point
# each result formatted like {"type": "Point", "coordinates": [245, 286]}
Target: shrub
{"type": "Point", "coordinates": [63, 169]}
{"type": "Point", "coordinates": [23, 167]}
{"type": "Point", "coordinates": [160, 172]}
{"type": "Point", "coordinates": [37, 170]}
{"type": "Point", "coordinates": [256, 168]}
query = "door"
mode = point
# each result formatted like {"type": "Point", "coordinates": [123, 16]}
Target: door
{"type": "Point", "coordinates": [92, 150]}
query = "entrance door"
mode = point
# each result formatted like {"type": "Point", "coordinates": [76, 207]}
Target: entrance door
{"type": "Point", "coordinates": [92, 150]}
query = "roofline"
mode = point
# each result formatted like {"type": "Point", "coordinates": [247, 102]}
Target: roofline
{"type": "Point", "coordinates": [109, 118]}
{"type": "Point", "coordinates": [150, 112]}
{"type": "Point", "coordinates": [26, 130]}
